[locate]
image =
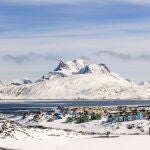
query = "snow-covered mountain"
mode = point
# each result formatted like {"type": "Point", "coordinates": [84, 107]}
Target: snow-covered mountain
{"type": "Point", "coordinates": [75, 67]}
{"type": "Point", "coordinates": [77, 79]}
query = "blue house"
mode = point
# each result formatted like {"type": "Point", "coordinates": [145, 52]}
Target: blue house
{"type": "Point", "coordinates": [120, 117]}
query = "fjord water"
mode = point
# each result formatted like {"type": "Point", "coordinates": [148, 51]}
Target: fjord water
{"type": "Point", "coordinates": [31, 105]}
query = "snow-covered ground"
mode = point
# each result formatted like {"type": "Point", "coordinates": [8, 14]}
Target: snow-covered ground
{"type": "Point", "coordinates": [75, 79]}
{"type": "Point", "coordinates": [75, 142]}
{"type": "Point", "coordinates": [97, 127]}
{"type": "Point", "coordinates": [28, 133]}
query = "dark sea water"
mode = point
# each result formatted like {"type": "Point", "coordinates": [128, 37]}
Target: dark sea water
{"type": "Point", "coordinates": [31, 105]}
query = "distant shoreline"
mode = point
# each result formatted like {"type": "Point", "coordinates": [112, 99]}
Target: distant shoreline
{"type": "Point", "coordinates": [14, 99]}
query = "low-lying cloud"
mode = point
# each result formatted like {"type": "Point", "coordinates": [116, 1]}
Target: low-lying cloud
{"type": "Point", "coordinates": [123, 56]}
{"type": "Point", "coordinates": [23, 58]}
{"type": "Point", "coordinates": [31, 57]}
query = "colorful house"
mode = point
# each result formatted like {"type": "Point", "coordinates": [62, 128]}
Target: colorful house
{"type": "Point", "coordinates": [121, 117]}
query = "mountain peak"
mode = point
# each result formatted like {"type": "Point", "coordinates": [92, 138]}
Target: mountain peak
{"type": "Point", "coordinates": [60, 66]}
{"type": "Point", "coordinates": [74, 67]}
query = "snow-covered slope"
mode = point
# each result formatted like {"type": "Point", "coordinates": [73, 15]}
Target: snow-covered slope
{"type": "Point", "coordinates": [77, 79]}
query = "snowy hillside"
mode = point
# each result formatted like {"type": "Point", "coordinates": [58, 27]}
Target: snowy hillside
{"type": "Point", "coordinates": [76, 79]}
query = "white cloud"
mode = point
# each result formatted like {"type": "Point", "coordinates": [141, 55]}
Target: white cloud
{"type": "Point", "coordinates": [120, 43]}
{"type": "Point", "coordinates": [105, 37]}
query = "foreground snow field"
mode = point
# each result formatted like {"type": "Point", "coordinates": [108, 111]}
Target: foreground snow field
{"type": "Point", "coordinates": [84, 143]}
{"type": "Point", "coordinates": [76, 79]}
{"type": "Point", "coordinates": [17, 132]}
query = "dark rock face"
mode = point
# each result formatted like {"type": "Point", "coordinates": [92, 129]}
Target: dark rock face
{"type": "Point", "coordinates": [61, 66]}
{"type": "Point", "coordinates": [27, 81]}
{"type": "Point", "coordinates": [106, 68]}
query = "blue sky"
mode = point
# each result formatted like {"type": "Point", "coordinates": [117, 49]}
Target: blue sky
{"type": "Point", "coordinates": [36, 34]}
